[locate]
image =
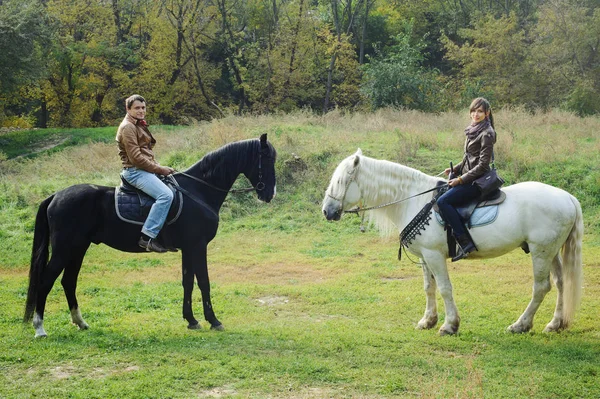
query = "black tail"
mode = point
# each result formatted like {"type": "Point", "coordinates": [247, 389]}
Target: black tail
{"type": "Point", "coordinates": [39, 257]}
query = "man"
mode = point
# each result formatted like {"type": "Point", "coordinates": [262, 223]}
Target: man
{"type": "Point", "coordinates": [135, 144]}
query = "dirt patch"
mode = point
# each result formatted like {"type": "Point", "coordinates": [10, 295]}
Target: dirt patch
{"type": "Point", "coordinates": [278, 273]}
{"type": "Point", "coordinates": [273, 300]}
{"type": "Point", "coordinates": [67, 371]}
{"type": "Point", "coordinates": [219, 392]}
{"type": "Point", "coordinates": [398, 278]}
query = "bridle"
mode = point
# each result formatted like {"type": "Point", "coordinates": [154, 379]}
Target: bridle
{"type": "Point", "coordinates": [352, 178]}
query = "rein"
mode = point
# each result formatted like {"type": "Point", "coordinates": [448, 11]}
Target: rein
{"type": "Point", "coordinates": [358, 209]}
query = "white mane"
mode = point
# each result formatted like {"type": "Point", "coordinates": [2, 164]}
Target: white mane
{"type": "Point", "coordinates": [381, 182]}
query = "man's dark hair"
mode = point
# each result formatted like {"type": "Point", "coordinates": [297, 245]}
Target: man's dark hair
{"type": "Point", "coordinates": [136, 97]}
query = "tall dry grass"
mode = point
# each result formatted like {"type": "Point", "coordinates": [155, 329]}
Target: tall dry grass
{"type": "Point", "coordinates": [525, 141]}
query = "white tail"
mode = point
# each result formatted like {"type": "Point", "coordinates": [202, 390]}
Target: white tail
{"type": "Point", "coordinates": [572, 267]}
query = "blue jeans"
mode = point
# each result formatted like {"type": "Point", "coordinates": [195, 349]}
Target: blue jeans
{"type": "Point", "coordinates": [456, 196]}
{"type": "Point", "coordinates": [154, 187]}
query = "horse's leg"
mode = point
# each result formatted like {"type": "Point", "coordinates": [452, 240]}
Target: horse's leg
{"type": "Point", "coordinates": [187, 281]}
{"type": "Point", "coordinates": [51, 272]}
{"type": "Point", "coordinates": [430, 318]}
{"type": "Point", "coordinates": [436, 262]}
{"type": "Point", "coordinates": [556, 324]}
{"type": "Point", "coordinates": [69, 283]}
{"type": "Point", "coordinates": [201, 271]}
{"type": "Point", "coordinates": [541, 286]}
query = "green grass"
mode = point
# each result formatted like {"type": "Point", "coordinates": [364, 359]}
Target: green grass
{"type": "Point", "coordinates": [311, 309]}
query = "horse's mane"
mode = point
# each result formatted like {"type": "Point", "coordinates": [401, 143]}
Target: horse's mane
{"type": "Point", "coordinates": [220, 163]}
{"type": "Point", "coordinates": [383, 181]}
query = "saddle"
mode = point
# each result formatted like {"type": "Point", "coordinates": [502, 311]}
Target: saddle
{"type": "Point", "coordinates": [133, 205]}
{"type": "Point", "coordinates": [467, 210]}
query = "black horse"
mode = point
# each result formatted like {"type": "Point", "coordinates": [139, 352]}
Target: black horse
{"type": "Point", "coordinates": [72, 219]}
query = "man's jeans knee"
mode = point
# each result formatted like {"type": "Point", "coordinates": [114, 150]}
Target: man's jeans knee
{"type": "Point", "coordinates": [154, 187]}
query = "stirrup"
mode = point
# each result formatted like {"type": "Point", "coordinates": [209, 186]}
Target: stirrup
{"type": "Point", "coordinates": [151, 245]}
{"type": "Point", "coordinates": [460, 255]}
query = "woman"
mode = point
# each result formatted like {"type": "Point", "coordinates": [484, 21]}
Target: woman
{"type": "Point", "coordinates": [140, 169]}
{"type": "Point", "coordinates": [479, 147]}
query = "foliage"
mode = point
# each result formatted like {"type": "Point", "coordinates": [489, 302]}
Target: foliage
{"type": "Point", "coordinates": [566, 51]}
{"type": "Point", "coordinates": [72, 63]}
{"type": "Point", "coordinates": [397, 77]}
{"type": "Point", "coordinates": [552, 63]}
{"type": "Point", "coordinates": [494, 56]}
{"type": "Point", "coordinates": [22, 40]}
{"type": "Point", "coordinates": [23, 44]}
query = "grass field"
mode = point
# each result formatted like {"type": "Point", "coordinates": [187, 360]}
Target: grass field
{"type": "Point", "coordinates": [311, 309]}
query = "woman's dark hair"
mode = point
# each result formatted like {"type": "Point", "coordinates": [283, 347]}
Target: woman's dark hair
{"type": "Point", "coordinates": [485, 104]}
{"type": "Point", "coordinates": [130, 100]}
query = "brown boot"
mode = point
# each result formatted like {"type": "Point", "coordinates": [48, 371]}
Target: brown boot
{"type": "Point", "coordinates": [151, 245]}
{"type": "Point", "coordinates": [465, 246]}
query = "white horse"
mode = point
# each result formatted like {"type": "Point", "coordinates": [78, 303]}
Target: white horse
{"type": "Point", "coordinates": [534, 215]}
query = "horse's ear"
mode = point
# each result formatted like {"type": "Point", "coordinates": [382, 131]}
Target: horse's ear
{"type": "Point", "coordinates": [358, 152]}
{"type": "Point", "coordinates": [263, 140]}
{"type": "Point", "coordinates": [356, 159]}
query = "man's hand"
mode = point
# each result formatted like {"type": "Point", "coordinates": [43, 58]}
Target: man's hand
{"type": "Point", "coordinates": [166, 170]}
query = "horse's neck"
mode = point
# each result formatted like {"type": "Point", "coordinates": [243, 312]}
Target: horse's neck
{"type": "Point", "coordinates": [221, 168]}
{"type": "Point", "coordinates": [382, 182]}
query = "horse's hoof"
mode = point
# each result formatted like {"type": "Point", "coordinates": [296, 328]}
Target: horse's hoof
{"type": "Point", "coordinates": [518, 329]}
{"type": "Point", "coordinates": [218, 327]}
{"type": "Point", "coordinates": [445, 330]}
{"type": "Point", "coordinates": [44, 335]}
{"type": "Point", "coordinates": [82, 326]}
{"type": "Point", "coordinates": [196, 326]}
{"type": "Point", "coordinates": [426, 324]}
{"type": "Point", "coordinates": [554, 326]}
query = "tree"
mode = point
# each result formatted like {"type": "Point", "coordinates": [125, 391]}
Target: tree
{"type": "Point", "coordinates": [494, 59]}
{"type": "Point", "coordinates": [395, 77]}
{"type": "Point", "coordinates": [566, 46]}
{"type": "Point", "coordinates": [23, 35]}
{"type": "Point", "coordinates": [190, 20]}
{"type": "Point", "coordinates": [343, 14]}
{"type": "Point", "coordinates": [78, 67]}
{"type": "Point", "coordinates": [231, 37]}
{"type": "Point", "coordinates": [24, 40]}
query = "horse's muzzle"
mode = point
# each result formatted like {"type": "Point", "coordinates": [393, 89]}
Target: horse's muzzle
{"type": "Point", "coordinates": [267, 197]}
{"type": "Point", "coordinates": [332, 214]}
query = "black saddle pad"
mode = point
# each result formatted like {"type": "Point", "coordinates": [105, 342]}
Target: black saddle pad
{"type": "Point", "coordinates": [133, 205]}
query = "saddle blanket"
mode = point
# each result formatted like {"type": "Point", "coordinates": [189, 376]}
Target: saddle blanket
{"type": "Point", "coordinates": [133, 206]}
{"type": "Point", "coordinates": [480, 217]}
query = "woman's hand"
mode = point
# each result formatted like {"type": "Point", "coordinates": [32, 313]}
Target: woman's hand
{"type": "Point", "coordinates": [454, 182]}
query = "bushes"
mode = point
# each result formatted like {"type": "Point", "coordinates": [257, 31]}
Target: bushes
{"type": "Point", "coordinates": [396, 78]}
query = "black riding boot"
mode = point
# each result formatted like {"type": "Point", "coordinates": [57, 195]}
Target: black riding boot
{"type": "Point", "coordinates": [465, 245]}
